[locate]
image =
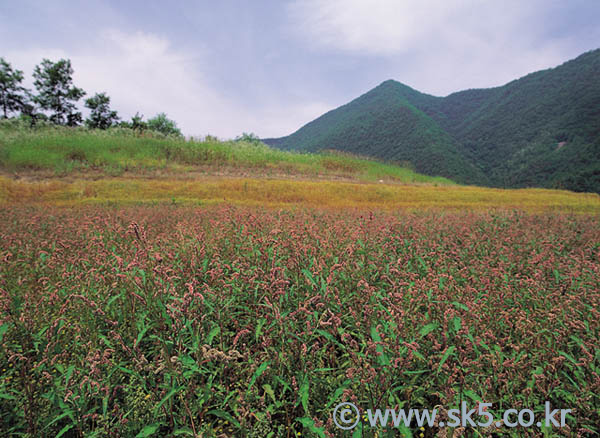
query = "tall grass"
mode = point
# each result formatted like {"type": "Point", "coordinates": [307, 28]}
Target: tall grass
{"type": "Point", "coordinates": [115, 151]}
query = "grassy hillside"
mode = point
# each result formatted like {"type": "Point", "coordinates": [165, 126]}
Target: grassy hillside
{"type": "Point", "coordinates": [65, 151]}
{"type": "Point", "coordinates": [70, 167]}
{"type": "Point", "coordinates": [541, 130]}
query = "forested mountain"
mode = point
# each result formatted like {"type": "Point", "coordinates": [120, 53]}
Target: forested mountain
{"type": "Point", "coordinates": [540, 130]}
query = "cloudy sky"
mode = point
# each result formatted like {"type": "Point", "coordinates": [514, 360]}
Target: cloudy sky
{"type": "Point", "coordinates": [268, 67]}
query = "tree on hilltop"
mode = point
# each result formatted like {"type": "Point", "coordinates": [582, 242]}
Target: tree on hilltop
{"type": "Point", "coordinates": [12, 95]}
{"type": "Point", "coordinates": [161, 123]}
{"type": "Point", "coordinates": [101, 116]}
{"type": "Point", "coordinates": [248, 138]}
{"type": "Point", "coordinates": [54, 82]}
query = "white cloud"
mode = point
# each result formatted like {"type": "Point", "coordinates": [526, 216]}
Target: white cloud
{"type": "Point", "coordinates": [286, 119]}
{"type": "Point", "coordinates": [436, 46]}
{"type": "Point", "coordinates": [143, 72]}
{"type": "Point", "coordinates": [378, 26]}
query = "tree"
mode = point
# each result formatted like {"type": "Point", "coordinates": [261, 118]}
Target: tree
{"type": "Point", "coordinates": [29, 110]}
{"type": "Point", "coordinates": [137, 122]}
{"type": "Point", "coordinates": [161, 123]}
{"type": "Point", "coordinates": [248, 138]}
{"type": "Point", "coordinates": [101, 116]}
{"type": "Point", "coordinates": [12, 94]}
{"type": "Point", "coordinates": [54, 83]}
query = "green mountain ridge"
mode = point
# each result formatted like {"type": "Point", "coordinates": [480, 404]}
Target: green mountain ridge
{"type": "Point", "coordinates": [542, 130]}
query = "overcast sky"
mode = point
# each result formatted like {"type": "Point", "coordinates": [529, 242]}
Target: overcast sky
{"type": "Point", "coordinates": [268, 67]}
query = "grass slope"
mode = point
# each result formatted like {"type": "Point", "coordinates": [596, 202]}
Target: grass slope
{"type": "Point", "coordinates": [64, 151]}
{"type": "Point", "coordinates": [71, 167]}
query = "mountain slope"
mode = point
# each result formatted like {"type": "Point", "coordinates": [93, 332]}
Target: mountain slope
{"type": "Point", "coordinates": [383, 123]}
{"type": "Point", "coordinates": [540, 130]}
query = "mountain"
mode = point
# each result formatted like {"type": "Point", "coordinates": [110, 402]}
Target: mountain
{"type": "Point", "coordinates": [385, 123]}
{"type": "Point", "coordinates": [542, 130]}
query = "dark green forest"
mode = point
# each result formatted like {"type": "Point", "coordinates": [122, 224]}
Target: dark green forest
{"type": "Point", "coordinates": [542, 130]}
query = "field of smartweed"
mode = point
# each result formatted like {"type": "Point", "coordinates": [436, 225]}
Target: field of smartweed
{"type": "Point", "coordinates": [236, 321]}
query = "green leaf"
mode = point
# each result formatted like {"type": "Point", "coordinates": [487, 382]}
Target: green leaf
{"type": "Point", "coordinates": [224, 415]}
{"type": "Point", "coordinates": [104, 406]}
{"type": "Point", "coordinates": [418, 355]}
{"type": "Point", "coordinates": [269, 390]}
{"type": "Point", "coordinates": [335, 396]}
{"type": "Point", "coordinates": [64, 430]}
{"type": "Point", "coordinates": [456, 323]}
{"type": "Point", "coordinates": [426, 329]}
{"type": "Point", "coordinates": [303, 392]}
{"type": "Point", "coordinates": [309, 275]}
{"type": "Point", "coordinates": [141, 335]}
{"type": "Point", "coordinates": [568, 356]}
{"type": "Point", "coordinates": [383, 359]}
{"type": "Point", "coordinates": [472, 395]}
{"type": "Point", "coordinates": [261, 369]}
{"type": "Point", "coordinates": [112, 299]}
{"type": "Point", "coordinates": [310, 425]}
{"type": "Point", "coordinates": [460, 305]}
{"type": "Point", "coordinates": [125, 370]}
{"type": "Point", "coordinates": [171, 393]}
{"type": "Point", "coordinates": [446, 355]}
{"type": "Point", "coordinates": [147, 431]}
{"type": "Point", "coordinates": [3, 330]}
{"type": "Point", "coordinates": [556, 276]}
{"type": "Point", "coordinates": [214, 332]}
{"type": "Point", "coordinates": [415, 372]}
{"type": "Point", "coordinates": [69, 373]}
{"type": "Point", "coordinates": [404, 431]}
{"type": "Point", "coordinates": [422, 263]}
{"type": "Point", "coordinates": [189, 362]}
{"type": "Point", "coordinates": [68, 413]}
{"type": "Point", "coordinates": [330, 337]}
{"type": "Point", "coordinates": [259, 327]}
{"type": "Point", "coordinates": [185, 431]}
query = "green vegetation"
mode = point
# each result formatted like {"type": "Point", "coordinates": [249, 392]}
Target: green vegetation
{"type": "Point", "coordinates": [56, 93]}
{"type": "Point", "coordinates": [113, 151]}
{"type": "Point", "coordinates": [221, 321]}
{"type": "Point", "coordinates": [12, 93]}
{"type": "Point", "coordinates": [383, 124]}
{"type": "Point", "coordinates": [160, 123]}
{"type": "Point", "coordinates": [101, 116]}
{"type": "Point", "coordinates": [541, 130]}
{"type": "Point", "coordinates": [56, 102]}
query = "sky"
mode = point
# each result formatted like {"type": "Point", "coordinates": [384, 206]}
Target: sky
{"type": "Point", "coordinates": [268, 67]}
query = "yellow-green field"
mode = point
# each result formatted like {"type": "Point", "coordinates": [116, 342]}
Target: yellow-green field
{"type": "Point", "coordinates": [286, 192]}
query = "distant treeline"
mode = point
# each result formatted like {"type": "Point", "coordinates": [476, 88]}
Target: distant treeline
{"type": "Point", "coordinates": [55, 101]}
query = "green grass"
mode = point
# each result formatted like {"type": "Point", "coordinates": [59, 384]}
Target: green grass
{"type": "Point", "coordinates": [115, 151]}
